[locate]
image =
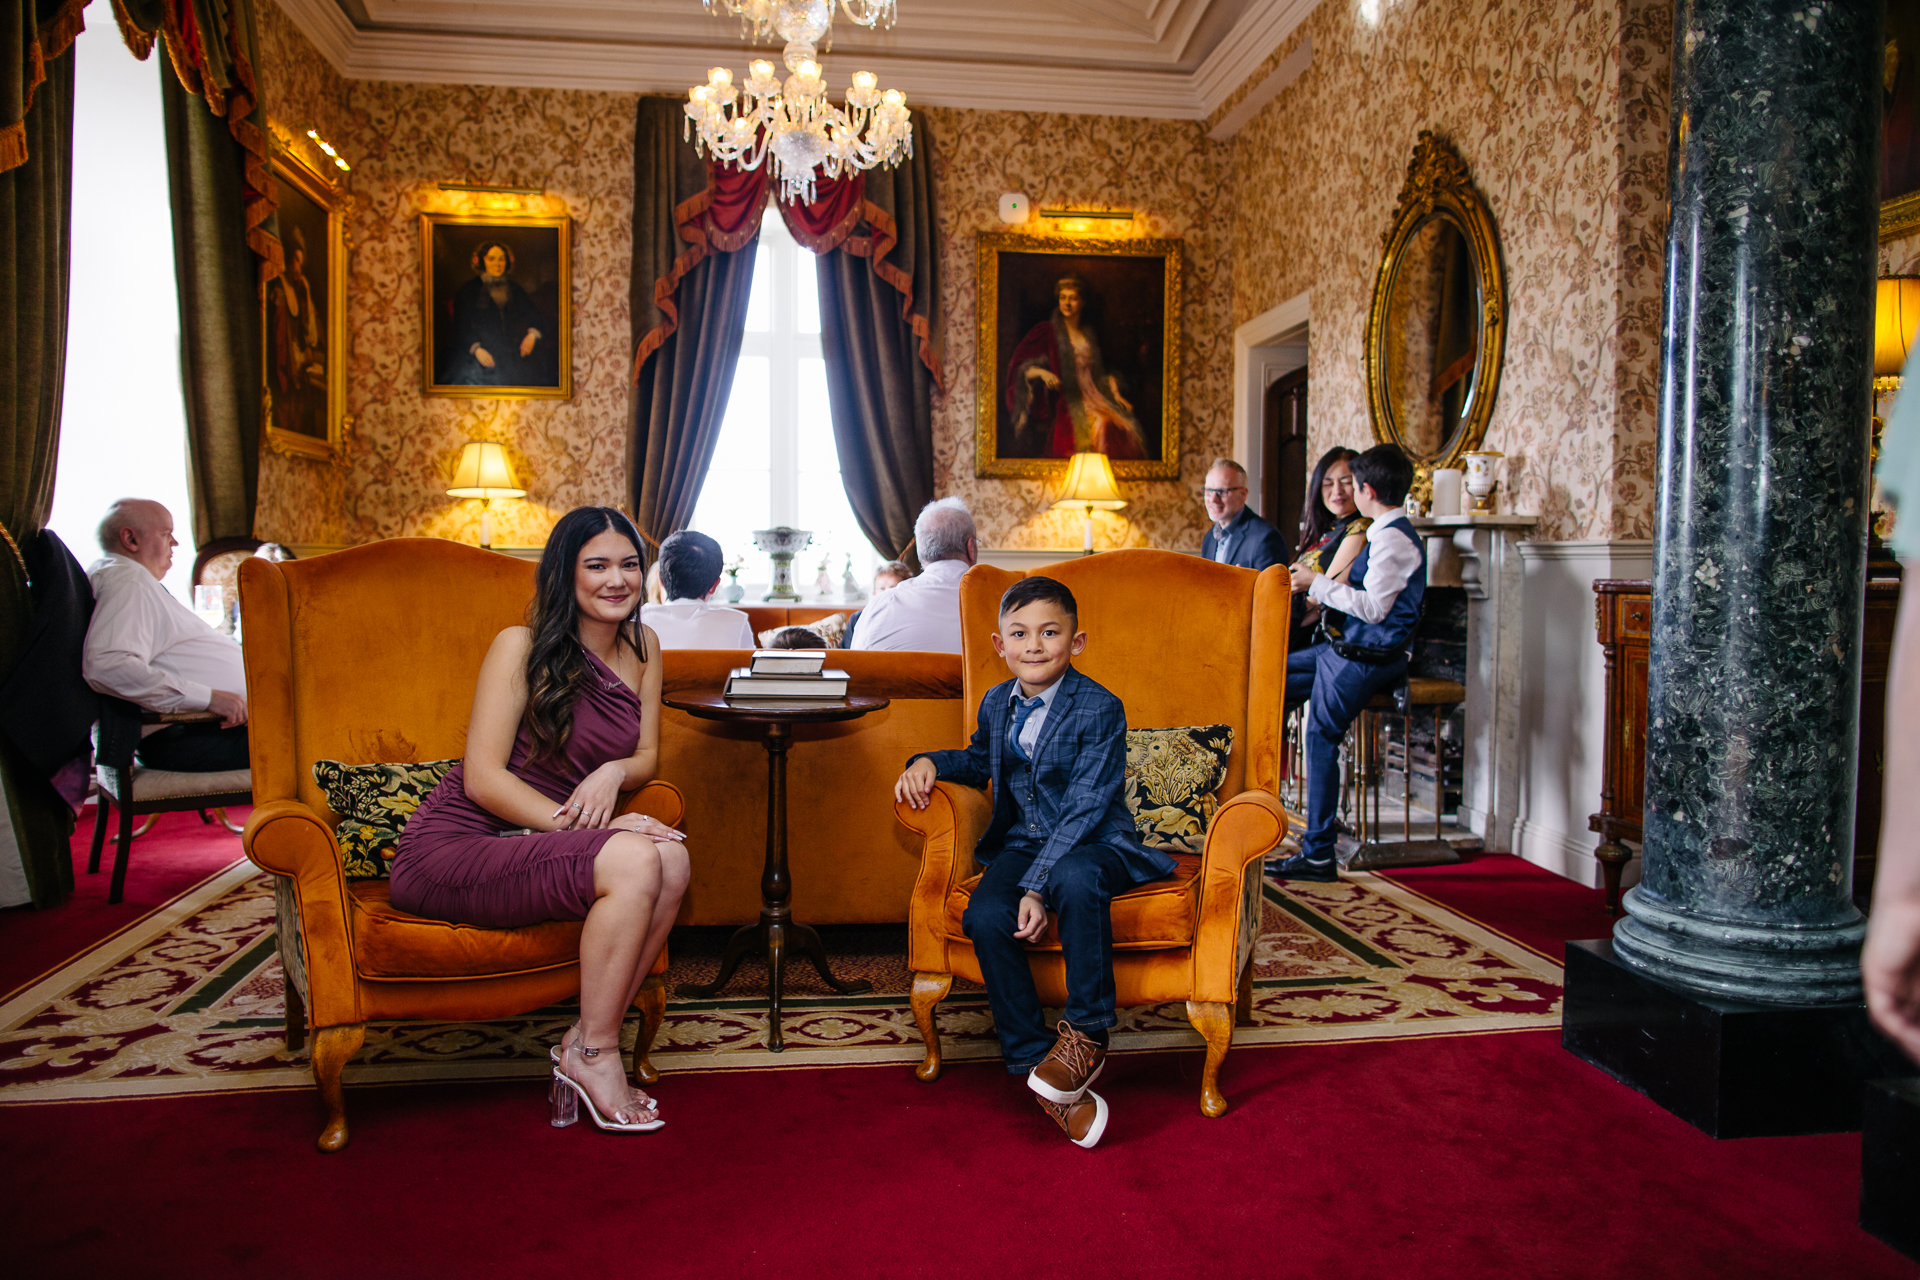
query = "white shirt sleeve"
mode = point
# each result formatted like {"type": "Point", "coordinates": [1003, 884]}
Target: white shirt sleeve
{"type": "Point", "coordinates": [747, 640]}
{"type": "Point", "coordinates": [118, 658]}
{"type": "Point", "coordinates": [1392, 558]}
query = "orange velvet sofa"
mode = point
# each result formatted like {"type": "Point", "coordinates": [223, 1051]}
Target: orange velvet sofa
{"type": "Point", "coordinates": [1182, 641]}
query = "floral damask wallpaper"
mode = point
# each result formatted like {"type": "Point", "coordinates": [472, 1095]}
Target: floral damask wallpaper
{"type": "Point", "coordinates": [403, 140]}
{"type": "Point", "coordinates": [1177, 184]}
{"type": "Point", "coordinates": [1559, 108]}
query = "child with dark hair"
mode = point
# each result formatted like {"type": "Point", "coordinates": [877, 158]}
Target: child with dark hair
{"type": "Point", "coordinates": [1366, 631]}
{"type": "Point", "coordinates": [1054, 745]}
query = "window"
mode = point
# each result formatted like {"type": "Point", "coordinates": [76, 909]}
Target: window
{"type": "Point", "coordinates": [123, 421]}
{"type": "Point", "coordinates": [775, 463]}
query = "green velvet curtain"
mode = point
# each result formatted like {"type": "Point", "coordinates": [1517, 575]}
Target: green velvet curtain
{"type": "Point", "coordinates": [688, 300]}
{"type": "Point", "coordinates": [225, 244]}
{"type": "Point", "coordinates": [220, 357]}
{"type": "Point", "coordinates": [880, 334]}
{"type": "Point", "coordinates": [35, 197]}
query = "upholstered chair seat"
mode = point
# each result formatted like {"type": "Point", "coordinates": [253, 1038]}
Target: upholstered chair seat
{"type": "Point", "coordinates": [165, 784]}
{"type": "Point", "coordinates": [1185, 643]}
{"type": "Point", "coordinates": [391, 946]}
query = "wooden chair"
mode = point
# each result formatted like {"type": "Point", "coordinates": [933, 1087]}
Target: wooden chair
{"type": "Point", "coordinates": [371, 655]}
{"type": "Point", "coordinates": [136, 790]}
{"type": "Point", "coordinates": [1181, 641]}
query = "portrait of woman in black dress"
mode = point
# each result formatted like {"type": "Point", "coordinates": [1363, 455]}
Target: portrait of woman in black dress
{"type": "Point", "coordinates": [497, 295]}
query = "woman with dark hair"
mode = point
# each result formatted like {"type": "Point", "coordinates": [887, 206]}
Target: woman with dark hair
{"type": "Point", "coordinates": [528, 826]}
{"type": "Point", "coordinates": [1332, 534]}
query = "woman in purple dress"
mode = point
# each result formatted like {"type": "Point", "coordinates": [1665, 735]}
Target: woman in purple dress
{"type": "Point", "coordinates": [527, 827]}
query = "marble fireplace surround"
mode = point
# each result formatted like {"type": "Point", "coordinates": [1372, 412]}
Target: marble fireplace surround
{"type": "Point", "coordinates": [1482, 554]}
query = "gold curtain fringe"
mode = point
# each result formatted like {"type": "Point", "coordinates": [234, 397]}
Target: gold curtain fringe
{"type": "Point", "coordinates": [15, 548]}
{"type": "Point", "coordinates": [139, 43]}
{"type": "Point", "coordinates": [50, 41]}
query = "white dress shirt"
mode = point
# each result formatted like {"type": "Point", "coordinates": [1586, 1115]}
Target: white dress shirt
{"type": "Point", "coordinates": [1392, 558]}
{"type": "Point", "coordinates": [695, 624]}
{"type": "Point", "coordinates": [1223, 541]}
{"type": "Point", "coordinates": [1030, 728]}
{"type": "Point", "coordinates": [145, 646]}
{"type": "Point", "coordinates": [921, 614]}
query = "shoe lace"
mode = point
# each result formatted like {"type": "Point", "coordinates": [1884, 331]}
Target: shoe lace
{"type": "Point", "coordinates": [1075, 1051]}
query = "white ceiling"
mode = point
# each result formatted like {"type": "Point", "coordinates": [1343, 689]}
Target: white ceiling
{"type": "Point", "coordinates": [1166, 58]}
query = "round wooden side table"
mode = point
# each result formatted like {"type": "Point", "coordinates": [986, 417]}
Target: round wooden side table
{"type": "Point", "coordinates": [776, 932]}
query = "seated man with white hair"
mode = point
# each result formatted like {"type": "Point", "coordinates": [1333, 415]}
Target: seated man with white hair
{"type": "Point", "coordinates": [147, 647]}
{"type": "Point", "coordinates": [690, 565]}
{"type": "Point", "coordinates": [923, 613]}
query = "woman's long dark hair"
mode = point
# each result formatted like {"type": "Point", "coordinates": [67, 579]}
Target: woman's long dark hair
{"type": "Point", "coordinates": [556, 668]}
{"type": "Point", "coordinates": [1315, 518]}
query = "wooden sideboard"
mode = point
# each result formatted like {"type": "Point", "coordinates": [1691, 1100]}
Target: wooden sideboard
{"type": "Point", "coordinates": [1624, 618]}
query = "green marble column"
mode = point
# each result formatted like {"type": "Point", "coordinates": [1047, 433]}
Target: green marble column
{"type": "Point", "coordinates": [1760, 541]}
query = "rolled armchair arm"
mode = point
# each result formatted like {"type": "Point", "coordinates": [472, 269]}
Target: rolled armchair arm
{"type": "Point", "coordinates": [289, 839]}
{"type": "Point", "coordinates": [660, 800]}
{"type": "Point", "coordinates": [1245, 828]}
{"type": "Point", "coordinates": [950, 826]}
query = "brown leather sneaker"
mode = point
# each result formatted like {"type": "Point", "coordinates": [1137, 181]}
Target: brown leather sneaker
{"type": "Point", "coordinates": [1083, 1121]}
{"type": "Point", "coordinates": [1073, 1063]}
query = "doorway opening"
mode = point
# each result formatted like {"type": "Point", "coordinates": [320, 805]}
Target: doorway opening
{"type": "Point", "coordinates": [1284, 432]}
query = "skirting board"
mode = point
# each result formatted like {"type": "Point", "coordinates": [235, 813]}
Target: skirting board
{"type": "Point", "coordinates": [1568, 855]}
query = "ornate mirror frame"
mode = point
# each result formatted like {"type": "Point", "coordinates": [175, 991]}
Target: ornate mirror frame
{"type": "Point", "coordinates": [1437, 179]}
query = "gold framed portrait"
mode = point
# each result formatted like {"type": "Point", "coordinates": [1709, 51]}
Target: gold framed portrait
{"type": "Point", "coordinates": [1079, 351]}
{"type": "Point", "coordinates": [498, 296]}
{"type": "Point", "coordinates": [1900, 121]}
{"type": "Point", "coordinates": [303, 317]}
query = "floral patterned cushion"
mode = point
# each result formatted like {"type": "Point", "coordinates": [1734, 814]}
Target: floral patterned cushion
{"type": "Point", "coordinates": [1173, 780]}
{"type": "Point", "coordinates": [374, 802]}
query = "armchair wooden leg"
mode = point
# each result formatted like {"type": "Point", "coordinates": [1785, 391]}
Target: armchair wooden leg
{"type": "Point", "coordinates": [929, 989]}
{"type": "Point", "coordinates": [1214, 1022]}
{"type": "Point", "coordinates": [333, 1048]}
{"type": "Point", "coordinates": [652, 1003]}
{"type": "Point", "coordinates": [1243, 1001]}
{"type": "Point", "coordinates": [117, 889]}
{"type": "Point", "coordinates": [296, 1019]}
{"type": "Point", "coordinates": [236, 827]}
{"type": "Point", "coordinates": [100, 816]}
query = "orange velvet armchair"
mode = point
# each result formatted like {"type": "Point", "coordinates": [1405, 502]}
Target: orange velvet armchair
{"type": "Point", "coordinates": [1181, 641]}
{"type": "Point", "coordinates": [371, 655]}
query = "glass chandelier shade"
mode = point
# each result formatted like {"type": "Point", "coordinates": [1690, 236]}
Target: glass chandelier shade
{"type": "Point", "coordinates": [792, 121]}
{"type": "Point", "coordinates": [760, 16]}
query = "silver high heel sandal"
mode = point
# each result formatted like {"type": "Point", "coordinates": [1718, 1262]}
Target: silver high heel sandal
{"type": "Point", "coordinates": [566, 1094]}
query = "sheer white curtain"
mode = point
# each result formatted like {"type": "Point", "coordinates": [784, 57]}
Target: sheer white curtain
{"type": "Point", "coordinates": [123, 422]}
{"type": "Point", "coordinates": [775, 463]}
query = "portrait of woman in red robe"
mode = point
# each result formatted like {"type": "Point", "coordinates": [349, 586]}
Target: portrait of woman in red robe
{"type": "Point", "coordinates": [1060, 396]}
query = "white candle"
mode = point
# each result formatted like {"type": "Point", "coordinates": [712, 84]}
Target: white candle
{"type": "Point", "coordinates": [1446, 491]}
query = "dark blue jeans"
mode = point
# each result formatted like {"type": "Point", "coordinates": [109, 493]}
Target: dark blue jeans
{"type": "Point", "coordinates": [1078, 890]}
{"type": "Point", "coordinates": [1339, 689]}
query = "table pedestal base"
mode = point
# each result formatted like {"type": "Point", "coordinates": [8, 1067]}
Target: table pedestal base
{"type": "Point", "coordinates": [776, 938]}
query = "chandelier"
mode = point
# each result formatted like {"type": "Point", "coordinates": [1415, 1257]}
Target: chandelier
{"type": "Point", "coordinates": [791, 125]}
{"type": "Point", "coordinates": [758, 15]}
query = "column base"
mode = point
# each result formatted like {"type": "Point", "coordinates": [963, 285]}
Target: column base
{"type": "Point", "coordinates": [1793, 967]}
{"type": "Point", "coordinates": [1731, 1068]}
{"type": "Point", "coordinates": [1890, 1164]}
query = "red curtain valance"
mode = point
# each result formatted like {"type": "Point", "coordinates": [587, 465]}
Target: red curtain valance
{"type": "Point", "coordinates": [725, 217]}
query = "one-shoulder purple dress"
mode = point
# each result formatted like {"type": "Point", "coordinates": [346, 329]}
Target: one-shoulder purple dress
{"type": "Point", "coordinates": [453, 865]}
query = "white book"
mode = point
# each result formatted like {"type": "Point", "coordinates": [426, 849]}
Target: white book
{"type": "Point", "coordinates": [788, 662]}
{"type": "Point", "coordinates": [829, 686]}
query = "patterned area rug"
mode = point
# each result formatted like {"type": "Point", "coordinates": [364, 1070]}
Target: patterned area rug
{"type": "Point", "coordinates": [190, 1000]}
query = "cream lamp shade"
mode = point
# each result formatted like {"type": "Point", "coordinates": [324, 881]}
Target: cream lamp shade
{"type": "Point", "coordinates": [1089, 485]}
{"type": "Point", "coordinates": [484, 472]}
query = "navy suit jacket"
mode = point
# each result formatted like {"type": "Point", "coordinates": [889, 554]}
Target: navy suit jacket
{"type": "Point", "coordinates": [1079, 771]}
{"type": "Point", "coordinates": [1256, 544]}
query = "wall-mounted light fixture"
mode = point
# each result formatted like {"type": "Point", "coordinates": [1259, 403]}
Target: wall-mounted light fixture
{"type": "Point", "coordinates": [327, 147]}
{"type": "Point", "coordinates": [484, 189]}
{"type": "Point", "coordinates": [1080, 220]}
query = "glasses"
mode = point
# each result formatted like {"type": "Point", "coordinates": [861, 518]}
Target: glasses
{"type": "Point", "coordinates": [1221, 493]}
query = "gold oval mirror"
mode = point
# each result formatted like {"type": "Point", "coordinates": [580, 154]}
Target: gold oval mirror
{"type": "Point", "coordinates": [1436, 332]}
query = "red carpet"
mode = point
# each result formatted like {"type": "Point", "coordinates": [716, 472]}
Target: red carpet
{"type": "Point", "coordinates": [1498, 1154]}
{"type": "Point", "coordinates": [177, 854]}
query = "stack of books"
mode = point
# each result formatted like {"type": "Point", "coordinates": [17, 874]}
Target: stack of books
{"type": "Point", "coordinates": [787, 674]}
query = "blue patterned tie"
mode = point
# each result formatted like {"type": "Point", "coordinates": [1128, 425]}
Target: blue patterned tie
{"type": "Point", "coordinates": [1022, 708]}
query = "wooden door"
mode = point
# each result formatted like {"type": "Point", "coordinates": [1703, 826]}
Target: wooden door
{"type": "Point", "coordinates": [1284, 486]}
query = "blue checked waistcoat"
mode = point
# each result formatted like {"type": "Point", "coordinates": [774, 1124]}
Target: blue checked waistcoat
{"type": "Point", "coordinates": [1073, 793]}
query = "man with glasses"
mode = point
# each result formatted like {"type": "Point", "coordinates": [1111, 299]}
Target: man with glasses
{"type": "Point", "coordinates": [1238, 536]}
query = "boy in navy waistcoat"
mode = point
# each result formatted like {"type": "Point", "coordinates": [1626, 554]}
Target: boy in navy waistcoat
{"type": "Point", "coordinates": [1369, 628]}
{"type": "Point", "coordinates": [1054, 745]}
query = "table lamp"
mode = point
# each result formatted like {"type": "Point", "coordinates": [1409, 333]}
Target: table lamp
{"type": "Point", "coordinates": [1896, 314]}
{"type": "Point", "coordinates": [1089, 484]}
{"type": "Point", "coordinates": [484, 473]}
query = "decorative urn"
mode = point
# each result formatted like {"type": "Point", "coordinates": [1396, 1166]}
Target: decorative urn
{"type": "Point", "coordinates": [1480, 482]}
{"type": "Point", "coordinates": [782, 545]}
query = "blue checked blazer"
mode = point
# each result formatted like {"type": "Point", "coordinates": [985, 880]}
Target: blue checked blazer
{"type": "Point", "coordinates": [1079, 769]}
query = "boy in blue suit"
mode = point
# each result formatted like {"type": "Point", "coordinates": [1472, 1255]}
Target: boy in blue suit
{"type": "Point", "coordinates": [1366, 635]}
{"type": "Point", "coordinates": [1054, 745]}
